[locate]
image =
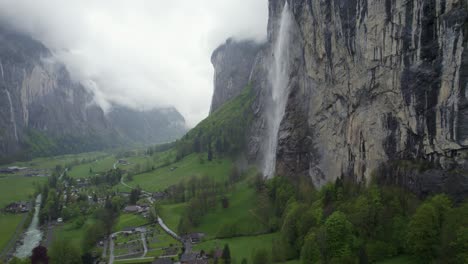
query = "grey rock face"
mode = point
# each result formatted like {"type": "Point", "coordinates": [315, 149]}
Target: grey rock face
{"type": "Point", "coordinates": [153, 127]}
{"type": "Point", "coordinates": [370, 81]}
{"type": "Point", "coordinates": [37, 95]}
{"type": "Point", "coordinates": [232, 63]}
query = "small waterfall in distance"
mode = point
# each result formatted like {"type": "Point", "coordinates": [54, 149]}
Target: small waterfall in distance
{"type": "Point", "coordinates": [279, 80]}
{"type": "Point", "coordinates": [12, 114]}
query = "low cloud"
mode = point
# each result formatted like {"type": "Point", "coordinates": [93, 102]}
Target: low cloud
{"type": "Point", "coordinates": [140, 53]}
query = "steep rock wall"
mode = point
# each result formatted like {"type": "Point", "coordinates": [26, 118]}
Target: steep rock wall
{"type": "Point", "coordinates": [370, 81]}
{"type": "Point", "coordinates": [232, 62]}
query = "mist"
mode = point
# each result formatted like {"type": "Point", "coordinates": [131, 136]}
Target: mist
{"type": "Point", "coordinates": [143, 53]}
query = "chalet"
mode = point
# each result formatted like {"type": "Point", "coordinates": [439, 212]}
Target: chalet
{"type": "Point", "coordinates": [17, 207]}
{"type": "Point", "coordinates": [133, 209]}
{"type": "Point", "coordinates": [123, 162]}
{"type": "Point", "coordinates": [194, 237]}
{"type": "Point", "coordinates": [159, 195]}
{"type": "Point", "coordinates": [217, 254]}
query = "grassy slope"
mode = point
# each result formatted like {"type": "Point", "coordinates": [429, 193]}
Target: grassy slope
{"type": "Point", "coordinates": [102, 165]}
{"type": "Point", "coordinates": [239, 214]}
{"type": "Point", "coordinates": [171, 214]}
{"type": "Point", "coordinates": [162, 178]}
{"type": "Point", "coordinates": [75, 236]}
{"type": "Point", "coordinates": [51, 162]}
{"type": "Point", "coordinates": [129, 220]}
{"type": "Point", "coordinates": [241, 247]}
{"type": "Point", "coordinates": [17, 188]}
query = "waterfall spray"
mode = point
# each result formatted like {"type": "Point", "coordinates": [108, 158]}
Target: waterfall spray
{"type": "Point", "coordinates": [12, 114]}
{"type": "Point", "coordinates": [279, 79]}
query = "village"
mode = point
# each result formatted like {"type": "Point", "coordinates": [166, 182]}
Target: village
{"type": "Point", "coordinates": [151, 238]}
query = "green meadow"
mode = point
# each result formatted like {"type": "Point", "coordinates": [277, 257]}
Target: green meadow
{"type": "Point", "coordinates": [191, 165]}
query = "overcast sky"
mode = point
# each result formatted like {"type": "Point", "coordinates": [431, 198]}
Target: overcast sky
{"type": "Point", "coordinates": [141, 53]}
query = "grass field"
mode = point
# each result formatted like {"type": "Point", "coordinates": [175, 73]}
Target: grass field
{"type": "Point", "coordinates": [17, 188]}
{"type": "Point", "coordinates": [239, 216]}
{"type": "Point", "coordinates": [101, 165]}
{"type": "Point", "coordinates": [171, 214]}
{"type": "Point", "coordinates": [74, 235]}
{"type": "Point", "coordinates": [8, 225]}
{"type": "Point", "coordinates": [135, 261]}
{"type": "Point", "coordinates": [51, 162]}
{"type": "Point", "coordinates": [129, 220]}
{"type": "Point", "coordinates": [241, 247]}
{"type": "Point", "coordinates": [162, 178]}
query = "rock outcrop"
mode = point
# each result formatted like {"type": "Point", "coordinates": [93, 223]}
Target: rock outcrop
{"type": "Point", "coordinates": [370, 81]}
{"type": "Point", "coordinates": [232, 63]}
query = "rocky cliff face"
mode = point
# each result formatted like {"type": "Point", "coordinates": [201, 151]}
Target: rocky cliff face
{"type": "Point", "coordinates": [37, 95]}
{"type": "Point", "coordinates": [43, 111]}
{"type": "Point", "coordinates": [148, 127]}
{"type": "Point", "coordinates": [369, 81]}
{"type": "Point", "coordinates": [232, 63]}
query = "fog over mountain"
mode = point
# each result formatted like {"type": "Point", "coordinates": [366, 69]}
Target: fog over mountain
{"type": "Point", "coordinates": [142, 54]}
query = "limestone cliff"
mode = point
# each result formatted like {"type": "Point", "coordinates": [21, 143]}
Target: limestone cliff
{"type": "Point", "coordinates": [369, 81]}
{"type": "Point", "coordinates": [44, 112]}
{"type": "Point", "coordinates": [232, 63]}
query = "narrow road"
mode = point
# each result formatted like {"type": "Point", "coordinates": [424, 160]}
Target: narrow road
{"type": "Point", "coordinates": [111, 249]}
{"type": "Point", "coordinates": [145, 248]}
{"type": "Point", "coordinates": [104, 251]}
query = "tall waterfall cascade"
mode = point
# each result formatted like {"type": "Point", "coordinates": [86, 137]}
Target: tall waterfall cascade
{"type": "Point", "coordinates": [12, 115]}
{"type": "Point", "coordinates": [279, 81]}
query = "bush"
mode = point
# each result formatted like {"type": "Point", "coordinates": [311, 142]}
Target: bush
{"type": "Point", "coordinates": [378, 250]}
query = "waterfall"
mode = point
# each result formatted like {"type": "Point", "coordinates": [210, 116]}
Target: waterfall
{"type": "Point", "coordinates": [1, 71]}
{"type": "Point", "coordinates": [12, 114]}
{"type": "Point", "coordinates": [279, 80]}
{"type": "Point", "coordinates": [33, 235]}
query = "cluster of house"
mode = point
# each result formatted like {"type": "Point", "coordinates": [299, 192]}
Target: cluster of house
{"type": "Point", "coordinates": [18, 207]}
{"type": "Point", "coordinates": [11, 170]}
{"type": "Point", "coordinates": [200, 257]}
{"type": "Point", "coordinates": [137, 209]}
{"type": "Point", "coordinates": [123, 162]}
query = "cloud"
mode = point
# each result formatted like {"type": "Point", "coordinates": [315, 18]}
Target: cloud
{"type": "Point", "coordinates": [140, 53]}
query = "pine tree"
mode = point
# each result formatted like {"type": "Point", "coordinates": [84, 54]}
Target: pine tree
{"type": "Point", "coordinates": [226, 256]}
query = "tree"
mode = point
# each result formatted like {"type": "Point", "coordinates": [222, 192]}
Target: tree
{"type": "Point", "coordinates": [310, 250]}
{"type": "Point", "coordinates": [423, 234]}
{"type": "Point", "coordinates": [39, 255]}
{"type": "Point", "coordinates": [134, 196]}
{"type": "Point", "coordinates": [244, 261]}
{"type": "Point", "coordinates": [226, 256]}
{"type": "Point", "coordinates": [337, 239]}
{"type": "Point", "coordinates": [225, 202]}
{"type": "Point", "coordinates": [63, 252]}
{"type": "Point", "coordinates": [210, 152]}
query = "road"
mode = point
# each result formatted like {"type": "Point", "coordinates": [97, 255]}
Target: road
{"type": "Point", "coordinates": [145, 248]}
{"type": "Point", "coordinates": [187, 244]}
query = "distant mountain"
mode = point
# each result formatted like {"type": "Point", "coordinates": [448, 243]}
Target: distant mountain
{"type": "Point", "coordinates": [148, 127]}
{"type": "Point", "coordinates": [44, 112]}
